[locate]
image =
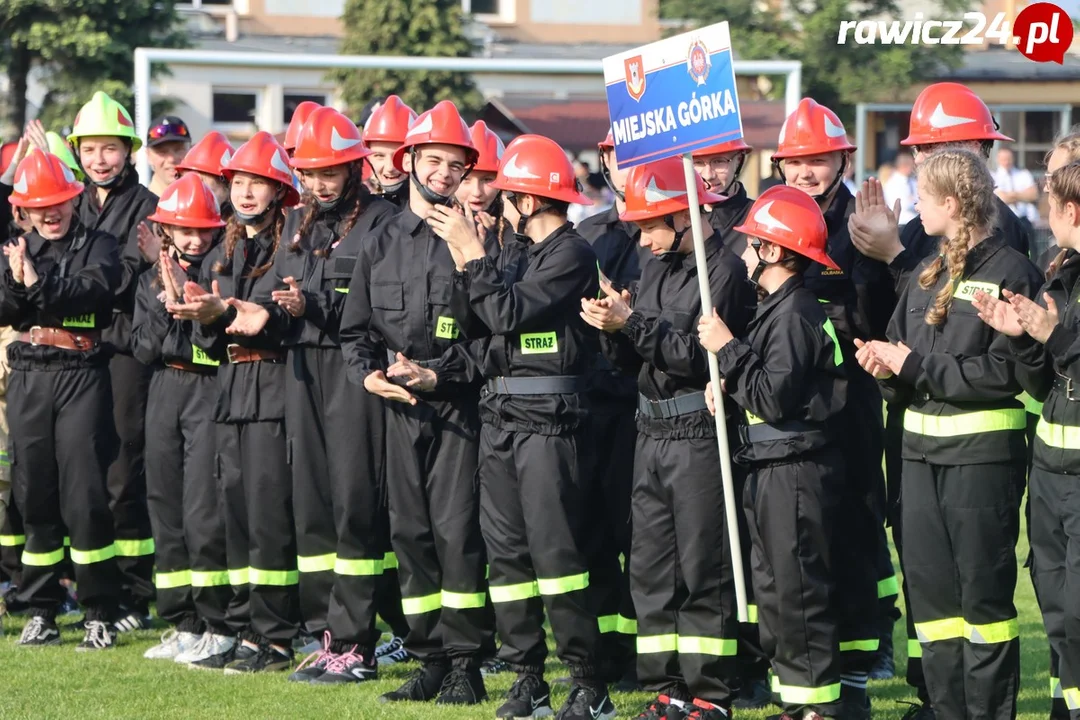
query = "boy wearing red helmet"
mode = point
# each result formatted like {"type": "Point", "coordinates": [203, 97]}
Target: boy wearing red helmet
{"type": "Point", "coordinates": [720, 166]}
{"type": "Point", "coordinates": [788, 376]}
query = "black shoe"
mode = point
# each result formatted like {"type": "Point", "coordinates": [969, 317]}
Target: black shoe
{"type": "Point", "coordinates": [855, 709]}
{"type": "Point", "coordinates": [39, 632]}
{"type": "Point", "coordinates": [422, 686]}
{"type": "Point", "coordinates": [132, 620]}
{"type": "Point", "coordinates": [462, 687]}
{"type": "Point", "coordinates": [919, 711]}
{"type": "Point", "coordinates": [753, 695]}
{"type": "Point", "coordinates": [348, 667]}
{"type": "Point", "coordinates": [494, 666]}
{"type": "Point", "coordinates": [267, 659]}
{"type": "Point", "coordinates": [529, 697]}
{"type": "Point", "coordinates": [628, 683]}
{"type": "Point", "coordinates": [239, 652]}
{"type": "Point", "coordinates": [98, 636]}
{"type": "Point", "coordinates": [587, 702]}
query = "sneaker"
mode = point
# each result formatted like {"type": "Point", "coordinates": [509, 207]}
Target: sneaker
{"type": "Point", "coordinates": [919, 711]}
{"type": "Point", "coordinates": [305, 644]}
{"type": "Point", "coordinates": [269, 658]}
{"type": "Point", "coordinates": [494, 666]}
{"type": "Point", "coordinates": [39, 632]}
{"type": "Point", "coordinates": [701, 710]}
{"type": "Point", "coordinates": [208, 646]}
{"type": "Point", "coordinates": [315, 663]}
{"type": "Point", "coordinates": [348, 667]}
{"type": "Point", "coordinates": [172, 644]}
{"type": "Point", "coordinates": [587, 702]}
{"type": "Point", "coordinates": [662, 709]}
{"type": "Point", "coordinates": [753, 695]}
{"type": "Point", "coordinates": [132, 621]}
{"type": "Point", "coordinates": [529, 697]}
{"type": "Point", "coordinates": [422, 686]}
{"type": "Point", "coordinates": [240, 652]}
{"type": "Point", "coordinates": [392, 652]}
{"type": "Point", "coordinates": [462, 687]}
{"type": "Point", "coordinates": [99, 636]}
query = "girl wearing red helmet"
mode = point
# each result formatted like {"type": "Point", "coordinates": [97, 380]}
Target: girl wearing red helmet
{"type": "Point", "coordinates": [249, 416]}
{"type": "Point", "coordinates": [788, 376]}
{"type": "Point", "coordinates": [191, 572]}
{"type": "Point", "coordinates": [964, 450]}
{"type": "Point", "coordinates": [56, 290]}
{"type": "Point", "coordinates": [208, 158]}
{"type": "Point", "coordinates": [384, 133]}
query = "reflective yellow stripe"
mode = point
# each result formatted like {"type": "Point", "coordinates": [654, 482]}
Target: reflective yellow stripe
{"type": "Point", "coordinates": [626, 626]}
{"type": "Point", "coordinates": [510, 593]}
{"type": "Point", "coordinates": [280, 578]}
{"type": "Point", "coordinates": [707, 646]}
{"type": "Point", "coordinates": [888, 587]}
{"type": "Point", "coordinates": [647, 644]}
{"type": "Point", "coordinates": [607, 623]}
{"type": "Point", "coordinates": [805, 695]}
{"type": "Point", "coordinates": [751, 614]}
{"type": "Point", "coordinates": [838, 354]}
{"type": "Point", "coordinates": [421, 605]}
{"type": "Point", "coordinates": [463, 601]}
{"type": "Point", "coordinates": [344, 291]}
{"type": "Point", "coordinates": [992, 633]}
{"type": "Point", "coordinates": [89, 557]}
{"type": "Point", "coordinates": [1072, 698]}
{"type": "Point", "coordinates": [358, 568]}
{"type": "Point", "coordinates": [973, 423]}
{"type": "Point", "coordinates": [315, 563]}
{"type": "Point", "coordinates": [860, 645]}
{"type": "Point", "coordinates": [67, 542]}
{"type": "Point", "coordinates": [210, 578]}
{"type": "Point", "coordinates": [1063, 437]}
{"type": "Point", "coordinates": [947, 629]}
{"type": "Point", "coordinates": [12, 540]}
{"type": "Point", "coordinates": [1032, 405]}
{"type": "Point", "coordinates": [563, 585]}
{"type": "Point", "coordinates": [1055, 688]}
{"type": "Point", "coordinates": [239, 576]}
{"type": "Point", "coordinates": [134, 548]}
{"type": "Point", "coordinates": [914, 649]}
{"type": "Point", "coordinates": [389, 561]}
{"type": "Point", "coordinates": [175, 579]}
{"type": "Point", "coordinates": [43, 559]}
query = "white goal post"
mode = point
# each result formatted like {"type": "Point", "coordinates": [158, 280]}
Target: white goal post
{"type": "Point", "coordinates": [144, 57]}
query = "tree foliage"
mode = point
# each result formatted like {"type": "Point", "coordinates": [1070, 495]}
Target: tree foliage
{"type": "Point", "coordinates": [416, 28]}
{"type": "Point", "coordinates": [838, 76]}
{"type": "Point", "coordinates": [80, 46]}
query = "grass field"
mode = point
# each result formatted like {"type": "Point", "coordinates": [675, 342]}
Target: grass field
{"type": "Point", "coordinates": [120, 685]}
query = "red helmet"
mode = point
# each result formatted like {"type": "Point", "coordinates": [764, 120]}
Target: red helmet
{"type": "Point", "coordinates": [490, 146]}
{"type": "Point", "coordinates": [187, 202]}
{"type": "Point", "coordinates": [811, 130]}
{"type": "Point", "coordinates": [608, 143]}
{"type": "Point", "coordinates": [790, 218]}
{"type": "Point", "coordinates": [389, 122]}
{"type": "Point", "coordinates": [950, 112]}
{"type": "Point", "coordinates": [299, 117]}
{"type": "Point", "coordinates": [536, 165]}
{"type": "Point", "coordinates": [328, 138]}
{"type": "Point", "coordinates": [441, 125]}
{"type": "Point", "coordinates": [210, 155]}
{"type": "Point", "coordinates": [262, 156]}
{"type": "Point", "coordinates": [43, 180]}
{"type": "Point", "coordinates": [7, 154]}
{"type": "Point", "coordinates": [720, 148]}
{"type": "Point", "coordinates": [658, 189]}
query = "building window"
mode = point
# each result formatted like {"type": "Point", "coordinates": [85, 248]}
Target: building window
{"type": "Point", "coordinates": [207, 4]}
{"type": "Point", "coordinates": [307, 8]}
{"type": "Point", "coordinates": [291, 100]}
{"type": "Point", "coordinates": [235, 107]}
{"type": "Point", "coordinates": [1033, 131]}
{"type": "Point", "coordinates": [497, 10]}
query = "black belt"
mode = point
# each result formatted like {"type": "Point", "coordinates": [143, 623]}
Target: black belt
{"type": "Point", "coordinates": [763, 432]}
{"type": "Point", "coordinates": [1065, 386]}
{"type": "Point", "coordinates": [672, 407]}
{"type": "Point", "coordinates": [550, 385]}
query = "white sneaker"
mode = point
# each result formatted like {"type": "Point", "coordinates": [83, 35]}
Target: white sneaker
{"type": "Point", "coordinates": [208, 646]}
{"type": "Point", "coordinates": [172, 644]}
{"type": "Point", "coordinates": [391, 652]}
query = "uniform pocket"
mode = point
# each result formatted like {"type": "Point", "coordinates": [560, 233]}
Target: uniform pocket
{"type": "Point", "coordinates": [388, 296]}
{"type": "Point", "coordinates": [439, 291]}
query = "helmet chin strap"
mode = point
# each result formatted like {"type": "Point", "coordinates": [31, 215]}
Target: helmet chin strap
{"type": "Point", "coordinates": [823, 197]}
{"type": "Point", "coordinates": [669, 220]}
{"type": "Point", "coordinates": [523, 219]}
{"type": "Point", "coordinates": [605, 171]}
{"type": "Point", "coordinates": [114, 180]}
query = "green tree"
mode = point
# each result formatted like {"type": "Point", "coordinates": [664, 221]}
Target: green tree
{"type": "Point", "coordinates": [81, 46]}
{"type": "Point", "coordinates": [416, 28]}
{"type": "Point", "coordinates": [838, 76]}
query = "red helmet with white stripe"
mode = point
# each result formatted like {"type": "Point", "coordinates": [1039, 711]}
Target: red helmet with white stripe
{"type": "Point", "coordinates": [658, 189]}
{"type": "Point", "coordinates": [812, 129]}
{"type": "Point", "coordinates": [262, 156]}
{"type": "Point", "coordinates": [441, 125]}
{"type": "Point", "coordinates": [489, 145]}
{"type": "Point", "coordinates": [790, 218]}
{"type": "Point", "coordinates": [950, 112]}
{"type": "Point", "coordinates": [328, 138]}
{"type": "Point", "coordinates": [536, 165]}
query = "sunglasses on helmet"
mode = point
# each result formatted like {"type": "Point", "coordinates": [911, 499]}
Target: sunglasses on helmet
{"type": "Point", "coordinates": [166, 129]}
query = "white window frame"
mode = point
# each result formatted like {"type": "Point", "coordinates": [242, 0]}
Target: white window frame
{"type": "Point", "coordinates": [228, 127]}
{"type": "Point", "coordinates": [505, 15]}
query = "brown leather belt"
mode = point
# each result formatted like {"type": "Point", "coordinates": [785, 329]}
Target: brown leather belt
{"type": "Point", "coordinates": [60, 338]}
{"type": "Point", "coordinates": [239, 354]}
{"type": "Point", "coordinates": [190, 367]}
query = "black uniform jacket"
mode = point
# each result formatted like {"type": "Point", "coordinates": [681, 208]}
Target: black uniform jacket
{"type": "Point", "coordinates": [156, 337]}
{"type": "Point", "coordinates": [723, 217]}
{"type": "Point", "coordinates": [77, 277]}
{"type": "Point", "coordinates": [960, 383]}
{"type": "Point", "coordinates": [659, 341]}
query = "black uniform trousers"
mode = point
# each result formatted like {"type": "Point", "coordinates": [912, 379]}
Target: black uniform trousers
{"type": "Point", "coordinates": [614, 433]}
{"type": "Point", "coordinates": [61, 442]}
{"type": "Point", "coordinates": [336, 441]}
{"type": "Point", "coordinates": [12, 541]}
{"type": "Point", "coordinates": [431, 459]}
{"type": "Point", "coordinates": [1055, 543]}
{"type": "Point", "coordinates": [260, 536]}
{"type": "Point", "coordinates": [961, 524]}
{"type": "Point", "coordinates": [793, 510]}
{"type": "Point", "coordinates": [534, 515]}
{"type": "Point", "coordinates": [682, 581]}
{"type": "Point", "coordinates": [191, 571]}
{"type": "Point", "coordinates": [127, 481]}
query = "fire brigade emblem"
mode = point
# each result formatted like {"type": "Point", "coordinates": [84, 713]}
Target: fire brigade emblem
{"type": "Point", "coordinates": [698, 62]}
{"type": "Point", "coordinates": [635, 77]}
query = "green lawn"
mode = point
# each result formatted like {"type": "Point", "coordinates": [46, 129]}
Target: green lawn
{"type": "Point", "coordinates": [120, 684]}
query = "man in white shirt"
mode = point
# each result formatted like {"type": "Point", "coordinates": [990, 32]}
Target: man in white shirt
{"type": "Point", "coordinates": [1016, 187]}
{"type": "Point", "coordinates": [901, 186]}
